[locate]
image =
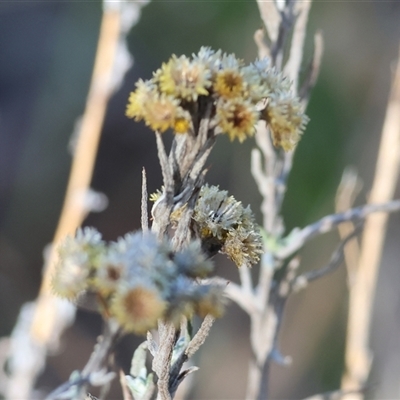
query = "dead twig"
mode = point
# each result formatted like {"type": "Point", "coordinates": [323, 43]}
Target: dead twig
{"type": "Point", "coordinates": [313, 69]}
{"type": "Point", "coordinates": [336, 260]}
{"type": "Point", "coordinates": [348, 189]}
{"type": "Point", "coordinates": [358, 356]}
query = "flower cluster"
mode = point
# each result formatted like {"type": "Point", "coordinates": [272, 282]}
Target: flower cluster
{"type": "Point", "coordinates": [223, 224]}
{"type": "Point", "coordinates": [138, 279]}
{"type": "Point", "coordinates": [238, 95]}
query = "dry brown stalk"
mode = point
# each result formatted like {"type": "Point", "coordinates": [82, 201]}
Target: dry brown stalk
{"type": "Point", "coordinates": [346, 194]}
{"type": "Point", "coordinates": [74, 210]}
{"type": "Point", "coordinates": [48, 320]}
{"type": "Point", "coordinates": [358, 355]}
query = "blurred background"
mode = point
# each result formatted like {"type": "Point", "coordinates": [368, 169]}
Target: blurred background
{"type": "Point", "coordinates": [47, 51]}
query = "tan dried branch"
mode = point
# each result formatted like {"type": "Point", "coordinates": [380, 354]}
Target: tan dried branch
{"type": "Point", "coordinates": [47, 312]}
{"type": "Point", "coordinates": [293, 65]}
{"type": "Point", "coordinates": [74, 212]}
{"type": "Point", "coordinates": [358, 355]}
{"type": "Point", "coordinates": [259, 39]}
{"type": "Point", "coordinates": [271, 18]}
{"type": "Point", "coordinates": [162, 359]}
{"type": "Point", "coordinates": [349, 187]}
{"type": "Point", "coordinates": [200, 336]}
{"type": "Point", "coordinates": [313, 69]}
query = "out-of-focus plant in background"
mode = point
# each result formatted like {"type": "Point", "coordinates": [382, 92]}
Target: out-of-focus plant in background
{"type": "Point", "coordinates": [47, 57]}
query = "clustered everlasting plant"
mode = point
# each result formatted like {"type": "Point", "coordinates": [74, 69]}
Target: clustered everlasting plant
{"type": "Point", "coordinates": [221, 88]}
{"type": "Point", "coordinates": [156, 277]}
{"type": "Point", "coordinates": [157, 280]}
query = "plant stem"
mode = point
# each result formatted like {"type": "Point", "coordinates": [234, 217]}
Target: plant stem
{"type": "Point", "coordinates": [358, 355]}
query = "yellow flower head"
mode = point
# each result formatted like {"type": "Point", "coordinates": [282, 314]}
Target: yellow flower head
{"type": "Point", "coordinates": [184, 79]}
{"type": "Point", "coordinates": [159, 112]}
{"type": "Point", "coordinates": [145, 90]}
{"type": "Point", "coordinates": [137, 308]}
{"type": "Point", "coordinates": [285, 116]}
{"type": "Point", "coordinates": [229, 83]}
{"type": "Point", "coordinates": [237, 118]}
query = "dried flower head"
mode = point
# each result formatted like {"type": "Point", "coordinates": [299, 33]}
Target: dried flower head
{"type": "Point", "coordinates": [137, 279]}
{"type": "Point", "coordinates": [78, 257]}
{"type": "Point", "coordinates": [286, 118]}
{"type": "Point", "coordinates": [237, 118]}
{"type": "Point", "coordinates": [224, 224]}
{"type": "Point", "coordinates": [229, 81]}
{"type": "Point", "coordinates": [137, 306]}
{"type": "Point", "coordinates": [160, 111]}
{"type": "Point", "coordinates": [145, 91]}
{"type": "Point", "coordinates": [111, 271]}
{"type": "Point", "coordinates": [183, 78]}
{"type": "Point", "coordinates": [243, 246]}
{"type": "Point", "coordinates": [184, 91]}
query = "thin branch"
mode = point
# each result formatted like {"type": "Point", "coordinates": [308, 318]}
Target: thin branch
{"type": "Point", "coordinates": [271, 18]}
{"type": "Point", "coordinates": [304, 94]}
{"type": "Point", "coordinates": [293, 64]}
{"type": "Point", "coordinates": [259, 39]}
{"type": "Point", "coordinates": [358, 356]}
{"type": "Point", "coordinates": [73, 214]}
{"type": "Point", "coordinates": [245, 279]}
{"type": "Point", "coordinates": [287, 20]}
{"type": "Point", "coordinates": [281, 180]}
{"type": "Point", "coordinates": [165, 167]}
{"type": "Point", "coordinates": [257, 171]}
{"type": "Point", "coordinates": [336, 260]}
{"type": "Point", "coordinates": [47, 315]}
{"type": "Point", "coordinates": [265, 178]}
{"type": "Point", "coordinates": [268, 305]}
{"type": "Point", "coordinates": [328, 223]}
{"type": "Point", "coordinates": [349, 188]}
{"type": "Point", "coordinates": [162, 359]}
{"type": "Point", "coordinates": [144, 210]}
{"type": "Point", "coordinates": [313, 69]}
{"type": "Point", "coordinates": [270, 328]}
{"type": "Point", "coordinates": [200, 336]}
{"type": "Point", "coordinates": [267, 268]}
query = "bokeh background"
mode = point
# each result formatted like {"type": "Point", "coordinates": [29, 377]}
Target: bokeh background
{"type": "Point", "coordinates": [46, 57]}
